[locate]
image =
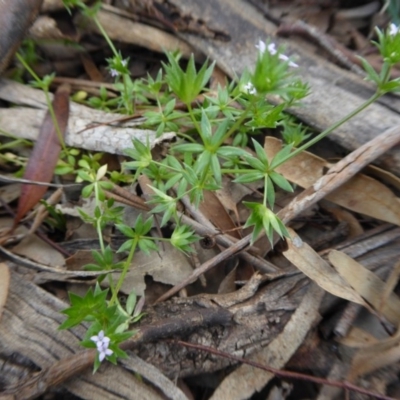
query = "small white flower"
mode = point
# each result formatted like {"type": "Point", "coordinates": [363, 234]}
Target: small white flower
{"type": "Point", "coordinates": [249, 88]}
{"type": "Point", "coordinates": [286, 58]}
{"type": "Point", "coordinates": [124, 62]}
{"type": "Point", "coordinates": [102, 343]}
{"type": "Point", "coordinates": [393, 29]}
{"type": "Point", "coordinates": [113, 72]}
{"type": "Point", "coordinates": [261, 46]}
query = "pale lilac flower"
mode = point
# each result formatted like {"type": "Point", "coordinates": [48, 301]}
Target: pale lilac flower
{"type": "Point", "coordinates": [393, 29]}
{"type": "Point", "coordinates": [249, 88]}
{"type": "Point", "coordinates": [261, 46]}
{"type": "Point", "coordinates": [114, 73]}
{"type": "Point", "coordinates": [102, 343]}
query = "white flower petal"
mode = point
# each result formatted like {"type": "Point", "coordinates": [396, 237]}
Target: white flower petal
{"type": "Point", "coordinates": [102, 356]}
{"type": "Point", "coordinates": [393, 29]}
{"type": "Point", "coordinates": [249, 88]}
{"type": "Point", "coordinates": [261, 46]}
{"type": "Point", "coordinates": [272, 49]}
{"type": "Point", "coordinates": [108, 352]}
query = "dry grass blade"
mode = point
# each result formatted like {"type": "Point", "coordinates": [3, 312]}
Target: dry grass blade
{"type": "Point", "coordinates": [45, 154]}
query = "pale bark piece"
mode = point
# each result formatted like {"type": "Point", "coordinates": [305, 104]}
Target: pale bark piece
{"type": "Point", "coordinates": [367, 284]}
{"type": "Point", "coordinates": [153, 375]}
{"type": "Point", "coordinates": [104, 135]}
{"type": "Point", "coordinates": [246, 380]}
{"type": "Point", "coordinates": [361, 193]}
{"type": "Point", "coordinates": [124, 30]}
{"type": "Point", "coordinates": [317, 269]}
{"type": "Point", "coordinates": [4, 284]}
{"type": "Point", "coordinates": [334, 91]}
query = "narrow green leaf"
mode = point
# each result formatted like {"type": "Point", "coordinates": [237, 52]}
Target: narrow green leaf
{"type": "Point", "coordinates": [126, 230]}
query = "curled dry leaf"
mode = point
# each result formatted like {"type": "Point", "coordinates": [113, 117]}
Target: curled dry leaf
{"type": "Point", "coordinates": [317, 269]}
{"type": "Point", "coordinates": [361, 193]}
{"type": "Point", "coordinates": [376, 356]}
{"type": "Point", "coordinates": [367, 285]}
{"type": "Point", "coordinates": [45, 153]}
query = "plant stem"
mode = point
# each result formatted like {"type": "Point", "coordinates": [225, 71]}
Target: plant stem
{"type": "Point", "coordinates": [48, 101]}
{"type": "Point", "coordinates": [329, 130]}
{"type": "Point", "coordinates": [98, 220]}
{"type": "Point", "coordinates": [124, 271]}
{"type": "Point", "coordinates": [193, 118]}
{"type": "Point", "coordinates": [105, 35]}
{"type": "Point", "coordinates": [238, 122]}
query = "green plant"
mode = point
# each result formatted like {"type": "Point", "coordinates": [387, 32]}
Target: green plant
{"type": "Point", "coordinates": [211, 135]}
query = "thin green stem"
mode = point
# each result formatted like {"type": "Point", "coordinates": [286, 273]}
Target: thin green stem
{"type": "Point", "coordinates": [126, 96]}
{"type": "Point", "coordinates": [193, 117]}
{"type": "Point", "coordinates": [48, 100]}
{"type": "Point", "coordinates": [237, 123]}
{"type": "Point", "coordinates": [98, 220]}
{"type": "Point", "coordinates": [265, 191]}
{"type": "Point", "coordinates": [125, 269]}
{"type": "Point", "coordinates": [105, 35]}
{"type": "Point", "coordinates": [187, 137]}
{"type": "Point", "coordinates": [236, 171]}
{"type": "Point", "coordinates": [329, 130]}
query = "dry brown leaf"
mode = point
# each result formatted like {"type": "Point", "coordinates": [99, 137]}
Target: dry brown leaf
{"type": "Point", "coordinates": [390, 284]}
{"type": "Point", "coordinates": [168, 265]}
{"type": "Point", "coordinates": [378, 355]}
{"type": "Point", "coordinates": [45, 153]}
{"type": "Point", "coordinates": [353, 224]}
{"type": "Point", "coordinates": [216, 213]}
{"type": "Point", "coordinates": [366, 284]}
{"type": "Point", "coordinates": [36, 249]}
{"type": "Point", "coordinates": [317, 269]}
{"type": "Point", "coordinates": [361, 193]}
{"type": "Point", "coordinates": [383, 176]}
{"type": "Point", "coordinates": [4, 285]}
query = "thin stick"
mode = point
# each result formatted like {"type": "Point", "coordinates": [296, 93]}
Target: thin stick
{"type": "Point", "coordinates": [285, 374]}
